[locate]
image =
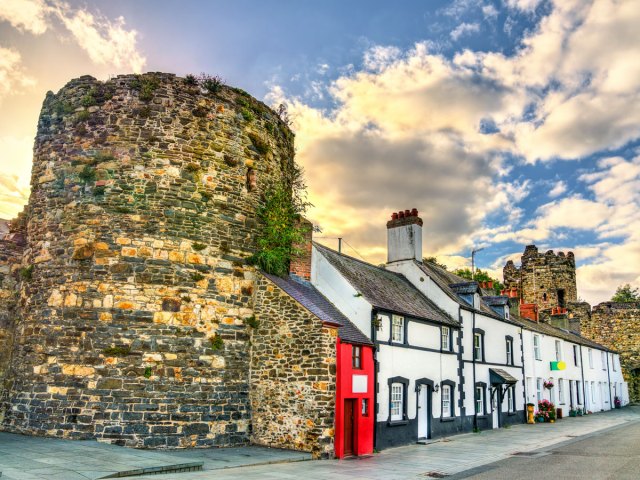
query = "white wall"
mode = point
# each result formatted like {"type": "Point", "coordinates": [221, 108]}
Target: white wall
{"type": "Point", "coordinates": [340, 292]}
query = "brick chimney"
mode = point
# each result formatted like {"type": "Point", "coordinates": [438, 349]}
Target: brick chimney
{"type": "Point", "coordinates": [404, 236]}
{"type": "Point", "coordinates": [300, 265]}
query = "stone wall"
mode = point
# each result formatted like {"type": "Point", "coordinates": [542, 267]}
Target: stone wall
{"type": "Point", "coordinates": [617, 326]}
{"type": "Point", "coordinates": [540, 277]}
{"type": "Point", "coordinates": [11, 276]}
{"type": "Point", "coordinates": [293, 375]}
{"type": "Point", "coordinates": [141, 217]}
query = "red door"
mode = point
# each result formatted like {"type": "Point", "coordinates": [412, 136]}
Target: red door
{"type": "Point", "coordinates": [348, 427]}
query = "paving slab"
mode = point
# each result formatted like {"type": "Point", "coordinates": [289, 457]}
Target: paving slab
{"type": "Point", "coordinates": [25, 457]}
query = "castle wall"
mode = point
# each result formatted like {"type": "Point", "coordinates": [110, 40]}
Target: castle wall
{"type": "Point", "coordinates": [617, 326]}
{"type": "Point", "coordinates": [141, 217]}
{"type": "Point", "coordinates": [293, 375]}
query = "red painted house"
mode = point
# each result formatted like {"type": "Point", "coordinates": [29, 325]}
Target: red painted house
{"type": "Point", "coordinates": [355, 405]}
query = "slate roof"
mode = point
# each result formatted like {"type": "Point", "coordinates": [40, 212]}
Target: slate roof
{"type": "Point", "coordinates": [496, 300]}
{"type": "Point", "coordinates": [385, 290]}
{"type": "Point", "coordinates": [310, 298]}
{"type": "Point", "coordinates": [464, 288]}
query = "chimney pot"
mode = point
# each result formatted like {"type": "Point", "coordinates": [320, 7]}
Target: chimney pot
{"type": "Point", "coordinates": [414, 212]}
{"type": "Point", "coordinates": [407, 213]}
{"type": "Point", "coordinates": [400, 214]}
{"type": "Point", "coordinates": [490, 284]}
{"type": "Point", "coordinates": [394, 216]}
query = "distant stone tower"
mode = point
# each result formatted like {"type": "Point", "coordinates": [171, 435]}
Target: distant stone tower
{"type": "Point", "coordinates": [133, 290]}
{"type": "Point", "coordinates": [546, 279]}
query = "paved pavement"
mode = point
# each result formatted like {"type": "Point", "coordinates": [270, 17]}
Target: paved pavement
{"type": "Point", "coordinates": [30, 458]}
{"type": "Point", "coordinates": [608, 454]}
{"type": "Point", "coordinates": [36, 458]}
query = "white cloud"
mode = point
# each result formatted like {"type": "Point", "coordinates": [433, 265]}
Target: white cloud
{"type": "Point", "coordinates": [489, 11]}
{"type": "Point", "coordinates": [12, 75]}
{"type": "Point", "coordinates": [25, 15]}
{"type": "Point", "coordinates": [559, 187]}
{"type": "Point", "coordinates": [15, 174]}
{"type": "Point", "coordinates": [464, 29]}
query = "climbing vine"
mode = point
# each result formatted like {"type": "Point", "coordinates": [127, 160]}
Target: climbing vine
{"type": "Point", "coordinates": [280, 229]}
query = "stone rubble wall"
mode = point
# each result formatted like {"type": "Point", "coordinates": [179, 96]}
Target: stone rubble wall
{"type": "Point", "coordinates": [293, 375]}
{"type": "Point", "coordinates": [141, 217]}
{"type": "Point", "coordinates": [617, 326]}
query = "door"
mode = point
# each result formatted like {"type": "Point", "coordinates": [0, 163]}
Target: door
{"type": "Point", "coordinates": [348, 427]}
{"type": "Point", "coordinates": [496, 406]}
{"type": "Point", "coordinates": [424, 412]}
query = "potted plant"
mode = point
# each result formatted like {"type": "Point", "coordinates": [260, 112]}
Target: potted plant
{"type": "Point", "coordinates": [579, 412]}
{"type": "Point", "coordinates": [547, 410]}
{"type": "Point", "coordinates": [548, 384]}
{"type": "Point", "coordinates": [573, 412]}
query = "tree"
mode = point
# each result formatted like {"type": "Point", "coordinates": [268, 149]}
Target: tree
{"type": "Point", "coordinates": [434, 261]}
{"type": "Point", "coordinates": [481, 276]}
{"type": "Point", "coordinates": [625, 294]}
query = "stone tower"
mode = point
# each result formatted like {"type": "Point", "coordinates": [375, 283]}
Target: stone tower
{"type": "Point", "coordinates": [546, 279]}
{"type": "Point", "coordinates": [131, 306]}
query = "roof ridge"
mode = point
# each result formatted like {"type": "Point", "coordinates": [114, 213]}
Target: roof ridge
{"type": "Point", "coordinates": [382, 269]}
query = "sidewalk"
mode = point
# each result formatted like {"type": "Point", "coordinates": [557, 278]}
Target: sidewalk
{"type": "Point", "coordinates": [35, 458]}
{"type": "Point", "coordinates": [453, 455]}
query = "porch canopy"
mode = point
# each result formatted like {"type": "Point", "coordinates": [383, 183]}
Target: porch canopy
{"type": "Point", "coordinates": [498, 376]}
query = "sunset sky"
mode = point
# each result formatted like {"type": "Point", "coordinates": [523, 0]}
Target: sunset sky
{"type": "Point", "coordinates": [505, 122]}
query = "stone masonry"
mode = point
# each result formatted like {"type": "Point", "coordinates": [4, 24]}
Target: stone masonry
{"type": "Point", "coordinates": [128, 316]}
{"type": "Point", "coordinates": [293, 374]}
{"type": "Point", "coordinates": [617, 326]}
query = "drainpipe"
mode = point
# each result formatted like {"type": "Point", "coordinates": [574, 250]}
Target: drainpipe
{"type": "Point", "coordinates": [611, 406]}
{"type": "Point", "coordinates": [584, 398]}
{"type": "Point", "coordinates": [374, 330]}
{"type": "Point", "coordinates": [473, 356]}
{"type": "Point", "coordinates": [524, 378]}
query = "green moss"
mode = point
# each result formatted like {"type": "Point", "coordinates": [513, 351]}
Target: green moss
{"type": "Point", "coordinates": [198, 246]}
{"type": "Point", "coordinates": [62, 108]}
{"type": "Point", "coordinates": [145, 85]}
{"type": "Point", "coordinates": [243, 102]}
{"type": "Point", "coordinates": [103, 156]}
{"type": "Point", "coordinates": [260, 145]}
{"type": "Point", "coordinates": [196, 277]}
{"type": "Point", "coordinates": [119, 351]}
{"type": "Point", "coordinates": [252, 321]}
{"type": "Point", "coordinates": [88, 100]}
{"type": "Point", "coordinates": [99, 190]}
{"type": "Point", "coordinates": [26, 273]}
{"type": "Point", "coordinates": [148, 372]}
{"type": "Point", "coordinates": [217, 343]}
{"type": "Point", "coordinates": [192, 168]}
{"type": "Point", "coordinates": [246, 114]}
{"type": "Point", "coordinates": [185, 299]}
{"type": "Point", "coordinates": [88, 174]}
{"type": "Point", "coordinates": [82, 116]}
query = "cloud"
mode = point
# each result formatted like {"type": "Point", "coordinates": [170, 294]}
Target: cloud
{"type": "Point", "coordinates": [489, 11]}
{"type": "Point", "coordinates": [12, 75]}
{"type": "Point", "coordinates": [25, 15]}
{"type": "Point", "coordinates": [15, 174]}
{"type": "Point", "coordinates": [559, 187]}
{"type": "Point", "coordinates": [464, 29]}
{"type": "Point", "coordinates": [106, 42]}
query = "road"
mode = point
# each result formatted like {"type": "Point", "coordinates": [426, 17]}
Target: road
{"type": "Point", "coordinates": [612, 454]}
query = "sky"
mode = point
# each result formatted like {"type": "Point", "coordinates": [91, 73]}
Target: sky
{"type": "Point", "coordinates": [504, 122]}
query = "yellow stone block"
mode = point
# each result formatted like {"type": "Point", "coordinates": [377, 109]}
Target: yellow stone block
{"type": "Point", "coordinates": [195, 258]}
{"type": "Point", "coordinates": [70, 300]}
{"type": "Point", "coordinates": [145, 251]}
{"type": "Point", "coordinates": [129, 252]}
{"type": "Point", "coordinates": [57, 390]}
{"type": "Point", "coordinates": [123, 241]}
{"type": "Point", "coordinates": [170, 356]}
{"type": "Point", "coordinates": [55, 299]}
{"type": "Point", "coordinates": [78, 370]}
{"type": "Point", "coordinates": [78, 242]}
{"type": "Point", "coordinates": [176, 256]}
{"type": "Point", "coordinates": [100, 246]}
{"type": "Point", "coordinates": [125, 305]}
{"type": "Point", "coordinates": [105, 317]}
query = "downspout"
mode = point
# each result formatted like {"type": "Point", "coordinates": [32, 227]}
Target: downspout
{"type": "Point", "coordinates": [461, 385]}
{"type": "Point", "coordinates": [611, 406]}
{"type": "Point", "coordinates": [473, 356]}
{"type": "Point", "coordinates": [584, 398]}
{"type": "Point", "coordinates": [524, 378]}
{"type": "Point", "coordinates": [374, 330]}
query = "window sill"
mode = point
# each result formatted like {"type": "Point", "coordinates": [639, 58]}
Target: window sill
{"type": "Point", "coordinates": [512, 414]}
{"type": "Point", "coordinates": [397, 423]}
{"type": "Point", "coordinates": [482, 417]}
{"type": "Point", "coordinates": [447, 419]}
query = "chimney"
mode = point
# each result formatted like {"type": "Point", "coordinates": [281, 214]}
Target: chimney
{"type": "Point", "coordinates": [404, 236]}
{"type": "Point", "coordinates": [300, 265]}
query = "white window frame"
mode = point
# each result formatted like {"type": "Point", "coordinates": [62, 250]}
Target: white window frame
{"type": "Point", "coordinates": [509, 351]}
{"type": "Point", "coordinates": [477, 347]}
{"type": "Point", "coordinates": [397, 402]}
{"type": "Point", "coordinates": [445, 339]}
{"type": "Point", "coordinates": [510, 408]}
{"type": "Point", "coordinates": [560, 391]}
{"type": "Point", "coordinates": [446, 401]}
{"type": "Point", "coordinates": [603, 360]}
{"type": "Point", "coordinates": [613, 363]}
{"type": "Point", "coordinates": [593, 392]}
{"type": "Point", "coordinates": [536, 347]}
{"type": "Point", "coordinates": [479, 400]}
{"type": "Point", "coordinates": [539, 395]}
{"type": "Point", "coordinates": [590, 355]}
{"type": "Point", "coordinates": [576, 355]}
{"type": "Point", "coordinates": [558, 351]}
{"type": "Point", "coordinates": [397, 329]}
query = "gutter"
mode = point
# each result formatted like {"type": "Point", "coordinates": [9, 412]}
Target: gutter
{"type": "Point", "coordinates": [374, 330]}
{"type": "Point", "coordinates": [611, 406]}
{"type": "Point", "coordinates": [584, 397]}
{"type": "Point", "coordinates": [524, 378]}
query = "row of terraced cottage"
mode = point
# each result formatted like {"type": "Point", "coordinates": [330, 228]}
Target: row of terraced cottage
{"type": "Point", "coordinates": [421, 353]}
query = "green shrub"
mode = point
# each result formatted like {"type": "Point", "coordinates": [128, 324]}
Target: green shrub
{"type": "Point", "coordinates": [88, 174]}
{"type": "Point", "coordinates": [82, 116]}
{"type": "Point", "coordinates": [26, 273]}
{"type": "Point", "coordinates": [217, 343]}
{"type": "Point", "coordinates": [252, 321]}
{"type": "Point", "coordinates": [211, 83]}
{"type": "Point", "coordinates": [246, 114]}
{"type": "Point", "coordinates": [148, 372]}
{"type": "Point", "coordinates": [88, 100]}
{"type": "Point", "coordinates": [196, 277]}
{"type": "Point", "coordinates": [145, 85]}
{"type": "Point", "coordinates": [99, 190]}
{"type": "Point", "coordinates": [119, 351]}
{"type": "Point", "coordinates": [191, 80]}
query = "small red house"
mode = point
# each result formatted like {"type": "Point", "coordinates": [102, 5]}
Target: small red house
{"type": "Point", "coordinates": [355, 405]}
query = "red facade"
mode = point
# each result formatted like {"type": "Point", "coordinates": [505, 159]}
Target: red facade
{"type": "Point", "coordinates": [355, 404]}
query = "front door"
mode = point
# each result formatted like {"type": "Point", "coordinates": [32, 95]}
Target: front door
{"type": "Point", "coordinates": [348, 427]}
{"type": "Point", "coordinates": [496, 406]}
{"type": "Point", "coordinates": [424, 412]}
